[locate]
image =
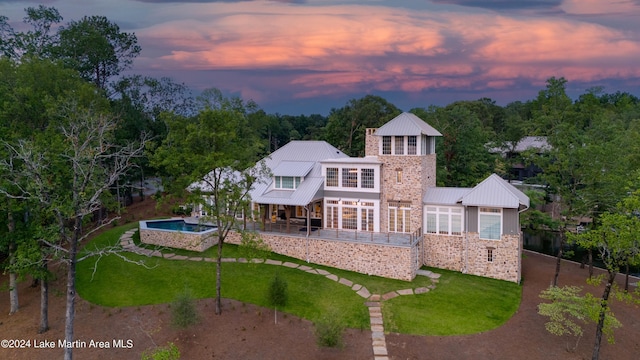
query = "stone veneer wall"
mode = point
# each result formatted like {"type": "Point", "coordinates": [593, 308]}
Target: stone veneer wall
{"type": "Point", "coordinates": [448, 252]}
{"type": "Point", "coordinates": [443, 251]}
{"type": "Point", "coordinates": [418, 172]}
{"type": "Point", "coordinates": [507, 255]}
{"type": "Point", "coordinates": [396, 262]}
{"type": "Point", "coordinates": [179, 240]}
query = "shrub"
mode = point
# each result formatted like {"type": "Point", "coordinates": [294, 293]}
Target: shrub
{"type": "Point", "coordinates": [328, 330]}
{"type": "Point", "coordinates": [169, 352]}
{"type": "Point", "coordinates": [183, 310]}
{"type": "Point", "coordinates": [277, 295]}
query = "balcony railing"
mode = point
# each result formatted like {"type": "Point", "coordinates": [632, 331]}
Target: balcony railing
{"type": "Point", "coordinates": [401, 239]}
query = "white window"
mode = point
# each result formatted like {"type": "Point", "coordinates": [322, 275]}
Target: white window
{"type": "Point", "coordinates": [350, 218]}
{"type": "Point", "coordinates": [332, 214]}
{"type": "Point", "coordinates": [490, 223]}
{"type": "Point", "coordinates": [367, 178]}
{"type": "Point", "coordinates": [286, 182]}
{"type": "Point", "coordinates": [399, 145]}
{"type": "Point", "coordinates": [400, 217]}
{"type": "Point", "coordinates": [398, 176]}
{"type": "Point", "coordinates": [366, 217]}
{"type": "Point", "coordinates": [332, 177]}
{"type": "Point", "coordinates": [386, 145]}
{"type": "Point", "coordinates": [349, 177]}
{"type": "Point", "coordinates": [444, 220]}
{"type": "Point", "coordinates": [412, 146]}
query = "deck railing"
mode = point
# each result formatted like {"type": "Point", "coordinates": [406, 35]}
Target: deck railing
{"type": "Point", "coordinates": [403, 239]}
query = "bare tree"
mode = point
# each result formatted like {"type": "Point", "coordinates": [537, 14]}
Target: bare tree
{"type": "Point", "coordinates": [71, 172]}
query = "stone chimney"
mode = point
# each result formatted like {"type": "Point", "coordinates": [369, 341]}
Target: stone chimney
{"type": "Point", "coordinates": [371, 143]}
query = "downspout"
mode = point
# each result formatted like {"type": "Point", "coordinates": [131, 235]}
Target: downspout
{"type": "Point", "coordinates": [520, 241]}
{"type": "Point", "coordinates": [308, 229]}
{"type": "Point", "coordinates": [466, 240]}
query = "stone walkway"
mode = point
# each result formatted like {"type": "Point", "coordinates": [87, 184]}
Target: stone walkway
{"type": "Point", "coordinates": [373, 301]}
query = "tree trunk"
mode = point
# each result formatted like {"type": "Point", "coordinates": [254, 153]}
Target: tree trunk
{"type": "Point", "coordinates": [71, 290]}
{"type": "Point", "coordinates": [44, 301]}
{"type": "Point", "coordinates": [604, 305]}
{"type": "Point", "coordinates": [265, 209]}
{"type": "Point", "coordinates": [13, 290]}
{"type": "Point", "coordinates": [13, 276]}
{"type": "Point", "coordinates": [590, 263]}
{"type": "Point", "coordinates": [559, 260]}
{"type": "Point", "coordinates": [626, 278]}
{"type": "Point", "coordinates": [218, 307]}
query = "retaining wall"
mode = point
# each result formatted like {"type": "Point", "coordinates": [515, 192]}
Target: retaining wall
{"type": "Point", "coordinates": [396, 262]}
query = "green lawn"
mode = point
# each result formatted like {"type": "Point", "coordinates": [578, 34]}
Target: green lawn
{"type": "Point", "coordinates": [460, 304]}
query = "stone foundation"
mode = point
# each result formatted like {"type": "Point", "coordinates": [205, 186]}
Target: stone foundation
{"type": "Point", "coordinates": [180, 240]}
{"type": "Point", "coordinates": [471, 255]}
{"type": "Point", "coordinates": [396, 262]}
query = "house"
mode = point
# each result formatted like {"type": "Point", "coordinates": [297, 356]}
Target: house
{"type": "Point", "coordinates": [521, 168]}
{"type": "Point", "coordinates": [382, 214]}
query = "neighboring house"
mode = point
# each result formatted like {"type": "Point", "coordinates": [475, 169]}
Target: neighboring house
{"type": "Point", "coordinates": [521, 168]}
{"type": "Point", "coordinates": [382, 214]}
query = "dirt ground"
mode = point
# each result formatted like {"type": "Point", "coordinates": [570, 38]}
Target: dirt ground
{"type": "Point", "coordinates": [245, 331]}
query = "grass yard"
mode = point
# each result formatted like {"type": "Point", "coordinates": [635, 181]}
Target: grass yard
{"type": "Point", "coordinates": [460, 304]}
{"type": "Point", "coordinates": [119, 283]}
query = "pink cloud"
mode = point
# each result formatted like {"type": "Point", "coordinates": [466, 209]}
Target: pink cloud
{"type": "Point", "coordinates": [336, 49]}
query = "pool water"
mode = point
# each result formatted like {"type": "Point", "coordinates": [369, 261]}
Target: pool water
{"type": "Point", "coordinates": [178, 225]}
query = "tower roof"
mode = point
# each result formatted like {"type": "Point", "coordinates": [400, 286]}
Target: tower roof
{"type": "Point", "coordinates": [407, 124]}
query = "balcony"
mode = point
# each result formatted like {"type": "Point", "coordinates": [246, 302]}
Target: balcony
{"type": "Point", "coordinates": [300, 230]}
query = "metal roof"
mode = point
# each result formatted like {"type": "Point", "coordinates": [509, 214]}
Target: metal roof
{"type": "Point", "coordinates": [293, 168]}
{"type": "Point", "coordinates": [308, 190]}
{"type": "Point", "coordinates": [353, 160]}
{"type": "Point", "coordinates": [407, 124]}
{"type": "Point", "coordinates": [444, 195]}
{"type": "Point", "coordinates": [285, 161]}
{"type": "Point", "coordinates": [491, 192]}
{"type": "Point", "coordinates": [496, 192]}
{"type": "Point", "coordinates": [533, 142]}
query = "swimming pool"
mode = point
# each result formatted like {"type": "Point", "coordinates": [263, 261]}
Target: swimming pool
{"type": "Point", "coordinates": [178, 225]}
{"type": "Point", "coordinates": [178, 233]}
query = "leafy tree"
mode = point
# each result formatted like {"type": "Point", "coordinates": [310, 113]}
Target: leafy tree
{"type": "Point", "coordinates": [569, 311]}
{"type": "Point", "coordinates": [97, 49]}
{"type": "Point", "coordinates": [463, 158]}
{"type": "Point", "coordinates": [552, 107]}
{"type": "Point", "coordinates": [217, 150]}
{"type": "Point", "coordinates": [277, 294]}
{"type": "Point", "coordinates": [139, 101]}
{"type": "Point", "coordinates": [584, 166]}
{"type": "Point", "coordinates": [346, 126]}
{"type": "Point", "coordinates": [70, 170]}
{"type": "Point", "coordinates": [38, 42]}
{"type": "Point", "coordinates": [6, 37]}
{"type": "Point", "coordinates": [29, 93]}
{"type": "Point", "coordinates": [616, 239]}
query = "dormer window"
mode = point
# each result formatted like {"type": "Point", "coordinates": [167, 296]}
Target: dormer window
{"type": "Point", "coordinates": [286, 182]}
{"type": "Point", "coordinates": [386, 145]}
{"type": "Point", "coordinates": [399, 142]}
{"type": "Point", "coordinates": [412, 148]}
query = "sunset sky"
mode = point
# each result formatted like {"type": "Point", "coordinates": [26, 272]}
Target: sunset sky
{"type": "Point", "coordinates": [304, 57]}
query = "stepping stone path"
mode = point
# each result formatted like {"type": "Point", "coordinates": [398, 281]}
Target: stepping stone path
{"type": "Point", "coordinates": [373, 302]}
